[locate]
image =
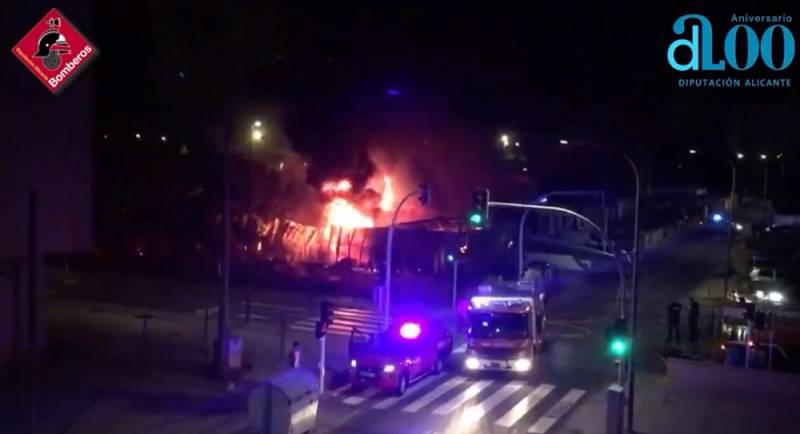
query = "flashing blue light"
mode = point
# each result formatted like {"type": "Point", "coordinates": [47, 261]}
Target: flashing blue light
{"type": "Point", "coordinates": [392, 92]}
{"type": "Point", "coordinates": [450, 257]}
{"type": "Point", "coordinates": [716, 217]}
{"type": "Point", "coordinates": [410, 330]}
{"type": "Point", "coordinates": [543, 199]}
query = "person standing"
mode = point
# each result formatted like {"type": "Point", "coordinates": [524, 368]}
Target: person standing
{"type": "Point", "coordinates": [294, 356]}
{"type": "Point", "coordinates": [674, 321]}
{"type": "Point", "coordinates": [694, 317]}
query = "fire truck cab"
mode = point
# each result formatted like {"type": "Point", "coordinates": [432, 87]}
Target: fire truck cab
{"type": "Point", "coordinates": [504, 329]}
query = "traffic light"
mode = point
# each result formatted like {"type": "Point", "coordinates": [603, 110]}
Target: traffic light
{"type": "Point", "coordinates": [424, 194]}
{"type": "Point", "coordinates": [618, 342]}
{"type": "Point", "coordinates": [479, 213]}
{"type": "Point", "coordinates": [325, 319]}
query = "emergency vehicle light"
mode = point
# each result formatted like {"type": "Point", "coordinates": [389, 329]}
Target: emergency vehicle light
{"type": "Point", "coordinates": [410, 330]}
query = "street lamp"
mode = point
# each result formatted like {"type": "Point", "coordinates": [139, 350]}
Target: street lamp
{"type": "Point", "coordinates": [731, 223]}
{"type": "Point", "coordinates": [256, 133]}
{"type": "Point", "coordinates": [634, 272]}
{"type": "Point", "coordinates": [692, 151]}
{"type": "Point", "coordinates": [504, 140]}
{"type": "Point", "coordinates": [739, 156]}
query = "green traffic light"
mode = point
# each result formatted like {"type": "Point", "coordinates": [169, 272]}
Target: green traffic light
{"type": "Point", "coordinates": [475, 218]}
{"type": "Point", "coordinates": [619, 347]}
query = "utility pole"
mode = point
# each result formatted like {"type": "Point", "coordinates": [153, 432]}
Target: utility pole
{"type": "Point", "coordinates": [224, 294]}
{"type": "Point", "coordinates": [390, 238]}
{"type": "Point", "coordinates": [731, 222]}
{"type": "Point", "coordinates": [634, 291]}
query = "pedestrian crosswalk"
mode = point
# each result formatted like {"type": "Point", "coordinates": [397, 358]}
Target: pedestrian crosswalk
{"type": "Point", "coordinates": [502, 403]}
{"type": "Point", "coordinates": [305, 320]}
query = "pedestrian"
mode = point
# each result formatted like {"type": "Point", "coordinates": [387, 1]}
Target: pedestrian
{"type": "Point", "coordinates": [293, 359]}
{"type": "Point", "coordinates": [694, 316]}
{"type": "Point", "coordinates": [674, 321]}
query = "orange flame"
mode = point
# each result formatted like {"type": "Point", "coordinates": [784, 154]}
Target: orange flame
{"type": "Point", "coordinates": [337, 187]}
{"type": "Point", "coordinates": [344, 214]}
{"type": "Point", "coordinates": [387, 198]}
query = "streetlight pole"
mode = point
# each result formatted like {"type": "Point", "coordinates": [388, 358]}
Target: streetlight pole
{"type": "Point", "coordinates": [224, 294]}
{"type": "Point", "coordinates": [731, 222]}
{"type": "Point", "coordinates": [528, 207]}
{"type": "Point", "coordinates": [543, 199]}
{"type": "Point", "coordinates": [389, 239]}
{"type": "Point", "coordinates": [255, 136]}
{"type": "Point", "coordinates": [634, 289]}
{"type": "Point", "coordinates": [520, 241]}
{"type": "Point", "coordinates": [634, 276]}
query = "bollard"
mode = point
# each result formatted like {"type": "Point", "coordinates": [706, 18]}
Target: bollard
{"type": "Point", "coordinates": [615, 409]}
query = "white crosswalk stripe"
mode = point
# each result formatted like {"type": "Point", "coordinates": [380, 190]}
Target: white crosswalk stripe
{"type": "Point", "coordinates": [303, 319]}
{"type": "Point", "coordinates": [472, 391]}
{"type": "Point", "coordinates": [434, 394]}
{"type": "Point", "coordinates": [475, 412]}
{"type": "Point", "coordinates": [415, 389]}
{"type": "Point", "coordinates": [524, 406]}
{"type": "Point", "coordinates": [556, 412]}
{"type": "Point", "coordinates": [363, 396]}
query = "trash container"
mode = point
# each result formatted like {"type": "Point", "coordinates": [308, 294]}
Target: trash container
{"type": "Point", "coordinates": [286, 404]}
{"type": "Point", "coordinates": [234, 352]}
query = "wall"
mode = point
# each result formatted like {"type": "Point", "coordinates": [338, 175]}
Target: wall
{"type": "Point", "coordinates": [686, 376]}
{"type": "Point", "coordinates": [45, 147]}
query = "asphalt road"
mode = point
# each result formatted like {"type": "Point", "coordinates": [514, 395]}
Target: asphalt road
{"type": "Point", "coordinates": [565, 392]}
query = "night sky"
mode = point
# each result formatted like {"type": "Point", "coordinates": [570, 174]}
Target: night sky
{"type": "Point", "coordinates": [589, 71]}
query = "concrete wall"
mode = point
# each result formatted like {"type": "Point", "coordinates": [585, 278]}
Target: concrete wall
{"type": "Point", "coordinates": [687, 376]}
{"type": "Point", "coordinates": [45, 147]}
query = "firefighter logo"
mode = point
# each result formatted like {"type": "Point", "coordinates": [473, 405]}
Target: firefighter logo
{"type": "Point", "coordinates": [55, 51]}
{"type": "Point", "coordinates": [52, 45]}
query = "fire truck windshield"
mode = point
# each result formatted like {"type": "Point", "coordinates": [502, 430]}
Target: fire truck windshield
{"type": "Point", "coordinates": [498, 325]}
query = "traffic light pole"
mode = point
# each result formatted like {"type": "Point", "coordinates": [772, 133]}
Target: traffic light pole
{"type": "Point", "coordinates": [455, 281]}
{"type": "Point", "coordinates": [586, 220]}
{"type": "Point", "coordinates": [387, 288]}
{"type": "Point", "coordinates": [322, 365]}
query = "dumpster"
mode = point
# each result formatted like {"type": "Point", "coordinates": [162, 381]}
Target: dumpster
{"type": "Point", "coordinates": [286, 404]}
{"type": "Point", "coordinates": [234, 351]}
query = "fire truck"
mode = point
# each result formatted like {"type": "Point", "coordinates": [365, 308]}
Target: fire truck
{"type": "Point", "coordinates": [505, 327]}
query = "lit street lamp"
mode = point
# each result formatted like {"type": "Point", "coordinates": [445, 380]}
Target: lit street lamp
{"type": "Point", "coordinates": [256, 135]}
{"type": "Point", "coordinates": [739, 156]}
{"type": "Point", "coordinates": [634, 274]}
{"type": "Point", "coordinates": [504, 139]}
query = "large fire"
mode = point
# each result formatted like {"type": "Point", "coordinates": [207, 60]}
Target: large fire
{"type": "Point", "coordinates": [343, 231]}
{"type": "Point", "coordinates": [387, 197]}
{"type": "Point", "coordinates": [341, 213]}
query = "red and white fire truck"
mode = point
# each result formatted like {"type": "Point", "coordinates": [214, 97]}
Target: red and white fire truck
{"type": "Point", "coordinates": [505, 328]}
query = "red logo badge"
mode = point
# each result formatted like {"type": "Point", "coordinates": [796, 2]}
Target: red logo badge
{"type": "Point", "coordinates": [54, 51]}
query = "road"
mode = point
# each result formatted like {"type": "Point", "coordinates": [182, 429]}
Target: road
{"type": "Point", "coordinates": [564, 393]}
